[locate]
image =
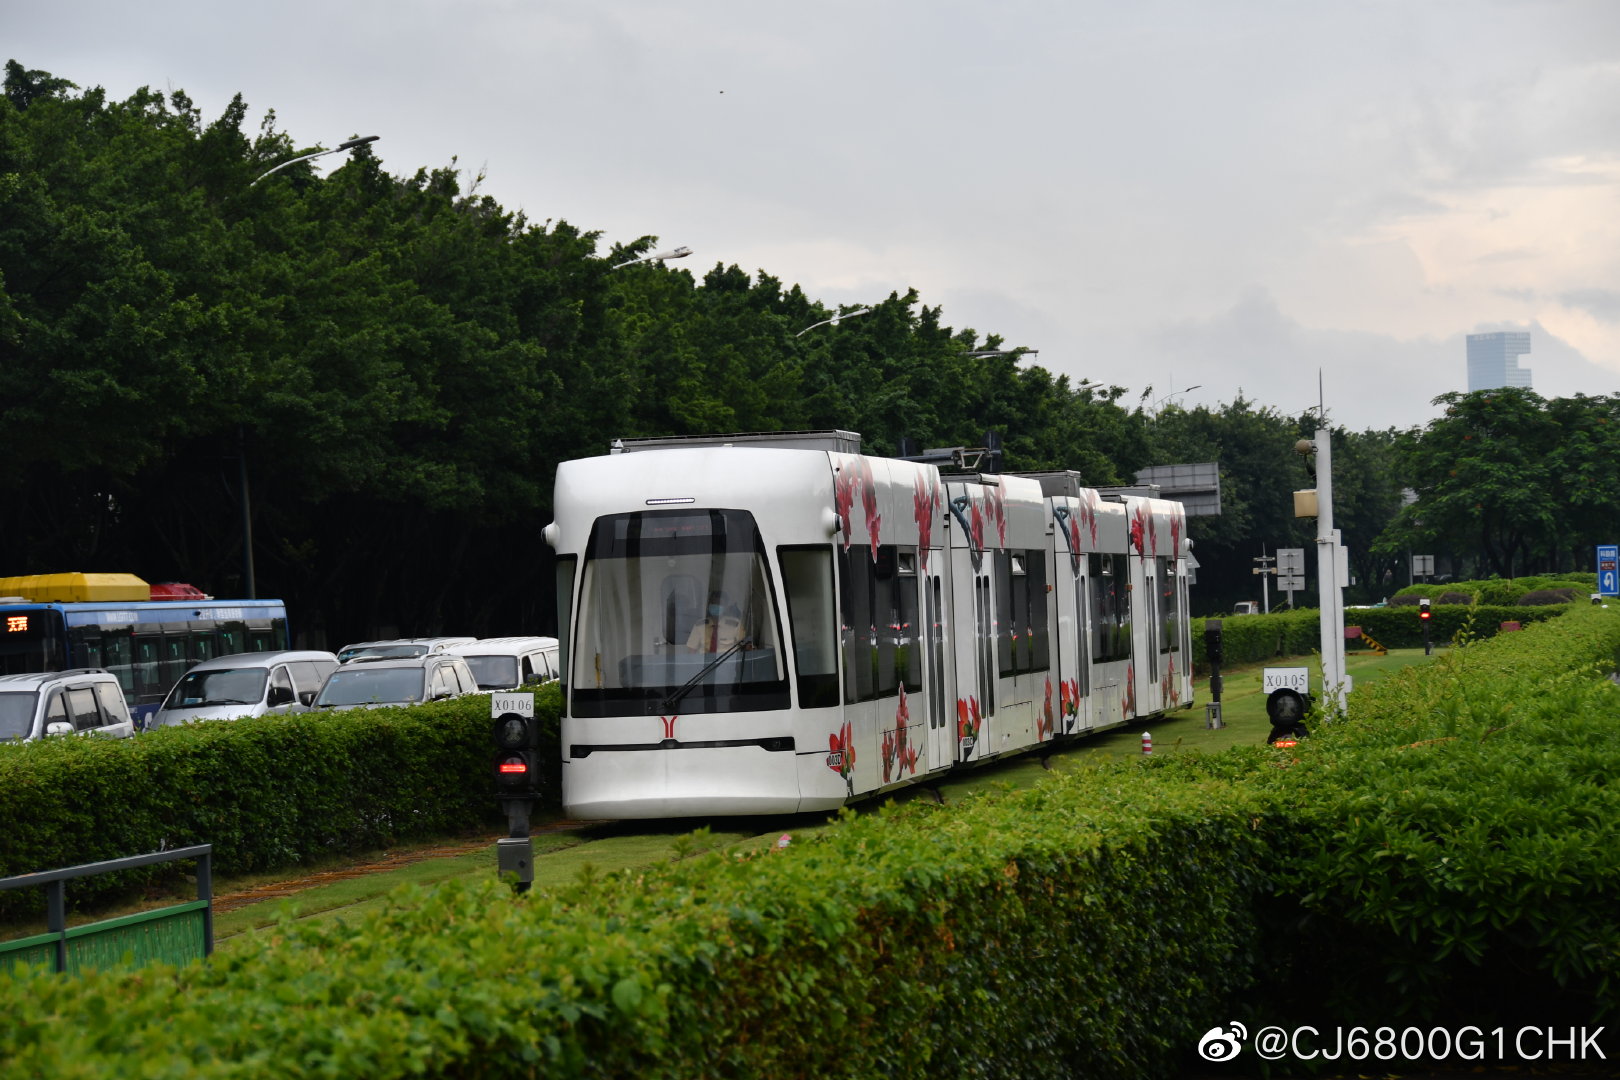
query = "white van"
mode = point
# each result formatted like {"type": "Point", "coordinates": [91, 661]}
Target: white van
{"type": "Point", "coordinates": [247, 684]}
{"type": "Point", "coordinates": [507, 663]}
{"type": "Point", "coordinates": [397, 648]}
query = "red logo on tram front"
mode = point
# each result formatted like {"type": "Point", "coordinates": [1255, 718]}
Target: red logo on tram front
{"type": "Point", "coordinates": [669, 726]}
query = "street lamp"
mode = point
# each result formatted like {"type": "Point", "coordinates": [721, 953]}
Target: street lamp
{"type": "Point", "coordinates": [249, 578]}
{"type": "Point", "coordinates": [350, 145]}
{"type": "Point", "coordinates": [834, 320]}
{"type": "Point", "coordinates": [982, 354]}
{"type": "Point", "coordinates": [657, 256]}
{"type": "Point", "coordinates": [1176, 393]}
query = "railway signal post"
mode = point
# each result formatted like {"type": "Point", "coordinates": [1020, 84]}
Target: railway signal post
{"type": "Point", "coordinates": [1214, 653]}
{"type": "Point", "coordinates": [1425, 616]}
{"type": "Point", "coordinates": [516, 734]}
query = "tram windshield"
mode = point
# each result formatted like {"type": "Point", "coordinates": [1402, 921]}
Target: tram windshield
{"type": "Point", "coordinates": [676, 616]}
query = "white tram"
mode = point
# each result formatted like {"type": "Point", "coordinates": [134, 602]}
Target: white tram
{"type": "Point", "coordinates": [765, 624]}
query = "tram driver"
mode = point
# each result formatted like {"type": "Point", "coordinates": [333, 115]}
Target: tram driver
{"type": "Point", "coordinates": [719, 629]}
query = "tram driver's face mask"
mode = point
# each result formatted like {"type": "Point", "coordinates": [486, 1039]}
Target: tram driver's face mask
{"type": "Point", "coordinates": [714, 609]}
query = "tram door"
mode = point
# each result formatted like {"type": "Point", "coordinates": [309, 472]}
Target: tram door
{"type": "Point", "coordinates": [941, 713]}
{"type": "Point", "coordinates": [1073, 606]}
{"type": "Point", "coordinates": [973, 616]}
{"type": "Point", "coordinates": [1145, 602]}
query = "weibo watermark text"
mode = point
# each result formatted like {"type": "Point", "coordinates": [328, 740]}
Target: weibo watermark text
{"type": "Point", "coordinates": [1468, 1043]}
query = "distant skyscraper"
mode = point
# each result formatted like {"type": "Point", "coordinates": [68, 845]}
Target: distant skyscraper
{"type": "Point", "coordinates": [1493, 360]}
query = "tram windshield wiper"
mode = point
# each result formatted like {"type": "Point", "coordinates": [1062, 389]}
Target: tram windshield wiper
{"type": "Point", "coordinates": [675, 698]}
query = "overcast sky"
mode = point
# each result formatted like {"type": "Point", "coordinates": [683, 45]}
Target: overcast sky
{"type": "Point", "coordinates": [1236, 195]}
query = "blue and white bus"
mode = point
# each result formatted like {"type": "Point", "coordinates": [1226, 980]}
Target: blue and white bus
{"type": "Point", "coordinates": [148, 644]}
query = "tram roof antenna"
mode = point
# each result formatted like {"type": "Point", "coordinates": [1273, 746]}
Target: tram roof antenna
{"type": "Point", "coordinates": [954, 456]}
{"type": "Point", "coordinates": [961, 458]}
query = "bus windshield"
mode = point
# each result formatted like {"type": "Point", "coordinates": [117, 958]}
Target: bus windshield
{"type": "Point", "coordinates": [676, 615]}
{"type": "Point", "coordinates": [30, 640]}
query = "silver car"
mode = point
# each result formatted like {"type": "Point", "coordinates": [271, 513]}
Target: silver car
{"type": "Point", "coordinates": [85, 701]}
{"type": "Point", "coordinates": [407, 681]}
{"type": "Point", "coordinates": [247, 684]}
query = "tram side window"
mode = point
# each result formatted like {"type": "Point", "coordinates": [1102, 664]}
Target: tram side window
{"type": "Point", "coordinates": [1021, 612]}
{"type": "Point", "coordinates": [807, 577]}
{"type": "Point", "coordinates": [1037, 633]}
{"type": "Point", "coordinates": [1169, 617]}
{"type": "Point", "coordinates": [566, 564]}
{"type": "Point", "coordinates": [1006, 630]}
{"type": "Point", "coordinates": [858, 627]}
{"type": "Point", "coordinates": [879, 607]}
{"type": "Point", "coordinates": [907, 654]}
{"type": "Point", "coordinates": [1110, 618]}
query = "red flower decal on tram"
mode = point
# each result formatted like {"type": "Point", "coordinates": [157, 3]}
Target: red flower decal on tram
{"type": "Point", "coordinates": [1139, 531]}
{"type": "Point", "coordinates": [869, 501]}
{"type": "Point", "coordinates": [1128, 705]}
{"type": "Point", "coordinates": [844, 500]}
{"type": "Point", "coordinates": [896, 748]}
{"type": "Point", "coordinates": [1043, 723]}
{"type": "Point", "coordinates": [925, 503]}
{"type": "Point", "coordinates": [968, 719]}
{"type": "Point", "coordinates": [1069, 702]}
{"type": "Point", "coordinates": [975, 525]}
{"type": "Point", "coordinates": [841, 755]}
{"type": "Point", "coordinates": [1171, 688]}
{"type": "Point", "coordinates": [1088, 513]}
{"type": "Point", "coordinates": [995, 507]}
{"type": "Point", "coordinates": [1153, 533]}
{"type": "Point", "coordinates": [1074, 542]}
{"type": "Point", "coordinates": [1178, 522]}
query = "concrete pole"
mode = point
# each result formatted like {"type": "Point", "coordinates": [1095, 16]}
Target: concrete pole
{"type": "Point", "coordinates": [1328, 567]}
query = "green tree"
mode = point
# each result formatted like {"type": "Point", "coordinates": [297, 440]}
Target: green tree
{"type": "Point", "coordinates": [1483, 473]}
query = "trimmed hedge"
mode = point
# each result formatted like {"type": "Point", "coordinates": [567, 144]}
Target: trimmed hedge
{"type": "Point", "coordinates": [1452, 846]}
{"type": "Point", "coordinates": [268, 793]}
{"type": "Point", "coordinates": [1253, 639]}
{"type": "Point", "coordinates": [1445, 851]}
{"type": "Point", "coordinates": [1094, 927]}
{"type": "Point", "coordinates": [1498, 591]}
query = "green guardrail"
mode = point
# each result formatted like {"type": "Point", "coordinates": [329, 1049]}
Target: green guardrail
{"type": "Point", "coordinates": [174, 934]}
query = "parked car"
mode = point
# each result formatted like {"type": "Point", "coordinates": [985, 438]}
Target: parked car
{"type": "Point", "coordinates": [395, 648]}
{"type": "Point", "coordinates": [84, 701]}
{"type": "Point", "coordinates": [1246, 607]}
{"type": "Point", "coordinates": [506, 663]}
{"type": "Point", "coordinates": [247, 684]}
{"type": "Point", "coordinates": [405, 681]}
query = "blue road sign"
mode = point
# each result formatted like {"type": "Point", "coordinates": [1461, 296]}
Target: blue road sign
{"type": "Point", "coordinates": [1608, 569]}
